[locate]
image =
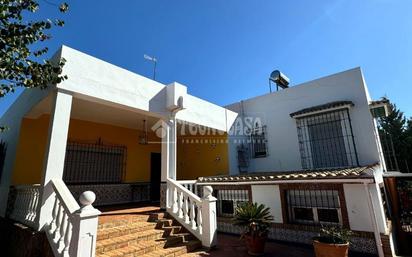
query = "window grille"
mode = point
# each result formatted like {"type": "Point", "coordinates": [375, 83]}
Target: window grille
{"type": "Point", "coordinates": [314, 207]}
{"type": "Point", "coordinates": [326, 140]}
{"type": "Point", "coordinates": [228, 200]}
{"type": "Point", "coordinates": [94, 163]}
{"type": "Point", "coordinates": [3, 149]}
{"type": "Point", "coordinates": [242, 158]}
{"type": "Point", "coordinates": [258, 142]}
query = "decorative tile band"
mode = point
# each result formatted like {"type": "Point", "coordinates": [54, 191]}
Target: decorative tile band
{"type": "Point", "coordinates": [107, 194]}
{"type": "Point", "coordinates": [358, 244]}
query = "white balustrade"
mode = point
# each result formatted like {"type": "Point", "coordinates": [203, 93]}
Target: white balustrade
{"type": "Point", "coordinates": [72, 230]}
{"type": "Point", "coordinates": [24, 208]}
{"type": "Point", "coordinates": [189, 185]}
{"type": "Point", "coordinates": [198, 215]}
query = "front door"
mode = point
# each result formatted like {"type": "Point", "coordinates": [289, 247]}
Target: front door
{"type": "Point", "coordinates": [155, 176]}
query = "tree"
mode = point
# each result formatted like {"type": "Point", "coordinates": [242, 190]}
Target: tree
{"type": "Point", "coordinates": [21, 63]}
{"type": "Point", "coordinates": [396, 137]}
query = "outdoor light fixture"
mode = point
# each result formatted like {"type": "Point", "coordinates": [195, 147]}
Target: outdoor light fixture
{"type": "Point", "coordinates": [143, 139]}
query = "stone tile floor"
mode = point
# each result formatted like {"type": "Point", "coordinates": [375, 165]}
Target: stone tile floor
{"type": "Point", "coordinates": [230, 245]}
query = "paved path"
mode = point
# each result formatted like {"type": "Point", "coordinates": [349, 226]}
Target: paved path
{"type": "Point", "coordinates": [231, 245]}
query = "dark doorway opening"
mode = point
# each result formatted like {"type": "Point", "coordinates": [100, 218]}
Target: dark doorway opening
{"type": "Point", "coordinates": [155, 176]}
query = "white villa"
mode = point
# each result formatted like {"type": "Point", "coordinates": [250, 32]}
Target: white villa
{"type": "Point", "coordinates": [107, 136]}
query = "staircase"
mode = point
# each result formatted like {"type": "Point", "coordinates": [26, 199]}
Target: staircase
{"type": "Point", "coordinates": [145, 235]}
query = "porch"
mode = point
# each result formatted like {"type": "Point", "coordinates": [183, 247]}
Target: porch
{"type": "Point", "coordinates": [107, 130]}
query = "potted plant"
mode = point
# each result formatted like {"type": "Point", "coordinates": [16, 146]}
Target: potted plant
{"type": "Point", "coordinates": [255, 219]}
{"type": "Point", "coordinates": [333, 241]}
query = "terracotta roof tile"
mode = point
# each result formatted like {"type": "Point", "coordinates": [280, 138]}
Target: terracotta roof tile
{"type": "Point", "coordinates": [353, 172]}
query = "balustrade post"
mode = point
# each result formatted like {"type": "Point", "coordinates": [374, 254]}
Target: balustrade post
{"type": "Point", "coordinates": [180, 213]}
{"type": "Point", "coordinates": [84, 227]}
{"type": "Point", "coordinates": [209, 220]}
{"type": "Point", "coordinates": [52, 226]}
{"type": "Point", "coordinates": [174, 202]}
{"type": "Point", "coordinates": [56, 232]}
{"type": "Point", "coordinates": [186, 210]}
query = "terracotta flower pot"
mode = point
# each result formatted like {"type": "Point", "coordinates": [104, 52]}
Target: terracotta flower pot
{"type": "Point", "coordinates": [330, 250]}
{"type": "Point", "coordinates": [255, 245]}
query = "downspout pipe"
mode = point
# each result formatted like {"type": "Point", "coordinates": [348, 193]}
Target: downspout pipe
{"type": "Point", "coordinates": [372, 212]}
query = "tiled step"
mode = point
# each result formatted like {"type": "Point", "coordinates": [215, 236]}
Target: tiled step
{"type": "Point", "coordinates": [154, 235]}
{"type": "Point", "coordinates": [126, 240]}
{"type": "Point", "coordinates": [154, 247]}
{"type": "Point", "coordinates": [195, 254]}
{"type": "Point", "coordinates": [123, 220]}
{"type": "Point", "coordinates": [124, 229]}
{"type": "Point", "coordinates": [175, 251]}
{"type": "Point", "coordinates": [137, 249]}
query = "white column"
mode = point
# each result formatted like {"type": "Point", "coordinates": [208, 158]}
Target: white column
{"type": "Point", "coordinates": [172, 148]}
{"type": "Point", "coordinates": [55, 153]}
{"type": "Point", "coordinates": [209, 219]}
{"type": "Point", "coordinates": [168, 134]}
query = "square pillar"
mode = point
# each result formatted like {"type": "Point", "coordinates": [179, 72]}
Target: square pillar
{"type": "Point", "coordinates": [55, 153]}
{"type": "Point", "coordinates": [168, 135]}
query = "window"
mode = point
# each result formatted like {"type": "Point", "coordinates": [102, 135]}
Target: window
{"type": "Point", "coordinates": [314, 206]}
{"type": "Point", "coordinates": [94, 163]}
{"type": "Point", "coordinates": [326, 140]}
{"type": "Point", "coordinates": [228, 200]}
{"type": "Point", "coordinates": [258, 142]}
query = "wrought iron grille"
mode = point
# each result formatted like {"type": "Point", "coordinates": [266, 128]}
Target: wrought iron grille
{"type": "Point", "coordinates": [3, 149]}
{"type": "Point", "coordinates": [228, 200]}
{"type": "Point", "coordinates": [87, 163]}
{"type": "Point", "coordinates": [326, 140]}
{"type": "Point", "coordinates": [258, 142]}
{"type": "Point", "coordinates": [313, 207]}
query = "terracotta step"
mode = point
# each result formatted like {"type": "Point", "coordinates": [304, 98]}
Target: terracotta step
{"type": "Point", "coordinates": [152, 248]}
{"type": "Point", "coordinates": [109, 222]}
{"type": "Point", "coordinates": [137, 249]}
{"type": "Point", "coordinates": [153, 217]}
{"type": "Point", "coordinates": [127, 240]}
{"type": "Point", "coordinates": [124, 229]}
{"type": "Point", "coordinates": [195, 254]}
{"type": "Point", "coordinates": [179, 238]}
{"type": "Point", "coordinates": [175, 251]}
{"type": "Point", "coordinates": [161, 223]}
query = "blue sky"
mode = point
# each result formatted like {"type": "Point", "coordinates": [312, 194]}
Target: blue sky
{"type": "Point", "coordinates": [225, 50]}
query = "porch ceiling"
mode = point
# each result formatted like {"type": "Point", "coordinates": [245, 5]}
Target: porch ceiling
{"type": "Point", "coordinates": [98, 113]}
{"type": "Point", "coordinates": [101, 113]}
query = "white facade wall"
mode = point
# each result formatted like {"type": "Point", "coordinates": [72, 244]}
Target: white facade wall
{"type": "Point", "coordinates": [274, 110]}
{"type": "Point", "coordinates": [269, 195]}
{"type": "Point", "coordinates": [360, 218]}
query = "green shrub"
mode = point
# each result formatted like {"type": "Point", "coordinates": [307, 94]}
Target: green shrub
{"type": "Point", "coordinates": [254, 218]}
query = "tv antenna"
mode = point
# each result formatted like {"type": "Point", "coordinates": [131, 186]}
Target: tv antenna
{"type": "Point", "coordinates": [154, 60]}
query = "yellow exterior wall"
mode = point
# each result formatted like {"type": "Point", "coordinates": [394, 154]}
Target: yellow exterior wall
{"type": "Point", "coordinates": [206, 157]}
{"type": "Point", "coordinates": [138, 156]}
{"type": "Point", "coordinates": [200, 156]}
{"type": "Point", "coordinates": [28, 164]}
